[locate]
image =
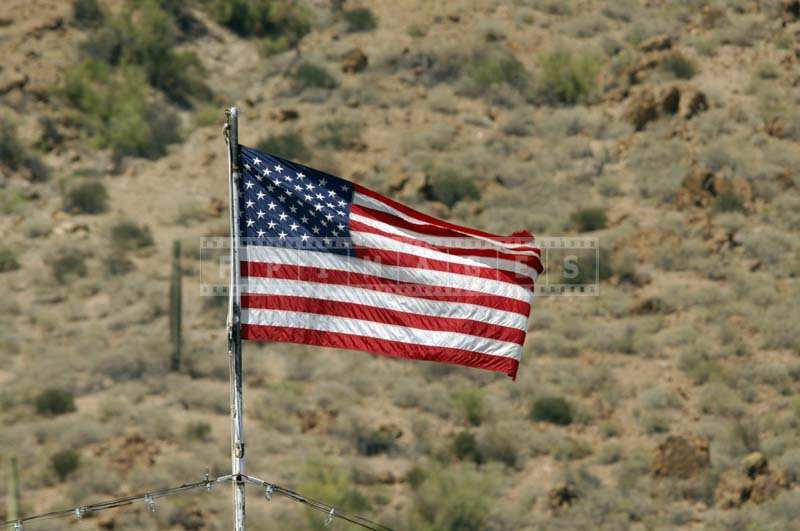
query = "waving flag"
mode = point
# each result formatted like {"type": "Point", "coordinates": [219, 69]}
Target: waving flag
{"type": "Point", "coordinates": [327, 262]}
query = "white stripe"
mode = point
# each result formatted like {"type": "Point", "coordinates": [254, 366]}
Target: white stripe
{"type": "Point", "coordinates": [478, 261]}
{"type": "Point", "coordinates": [299, 257]}
{"type": "Point", "coordinates": [344, 325]}
{"type": "Point", "coordinates": [371, 202]}
{"type": "Point", "coordinates": [388, 301]}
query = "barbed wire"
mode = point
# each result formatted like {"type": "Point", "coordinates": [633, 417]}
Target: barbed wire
{"type": "Point", "coordinates": [83, 510]}
{"type": "Point", "coordinates": [149, 498]}
{"type": "Point", "coordinates": [330, 510]}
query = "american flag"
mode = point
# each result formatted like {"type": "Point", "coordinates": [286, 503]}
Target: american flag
{"type": "Point", "coordinates": [328, 262]}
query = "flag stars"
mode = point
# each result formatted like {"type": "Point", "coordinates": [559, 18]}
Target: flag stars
{"type": "Point", "coordinates": [260, 233]}
{"type": "Point", "coordinates": [282, 235]}
{"type": "Point", "coordinates": [260, 195]}
{"type": "Point", "coordinates": [279, 168]}
{"type": "Point", "coordinates": [250, 222]}
{"type": "Point", "coordinates": [272, 205]}
{"type": "Point", "coordinates": [249, 204]}
{"type": "Point", "coordinates": [272, 224]}
{"type": "Point", "coordinates": [260, 214]}
{"type": "Point", "coordinates": [294, 227]}
{"type": "Point", "coordinates": [257, 161]}
{"type": "Point", "coordinates": [301, 176]}
{"type": "Point", "coordinates": [283, 216]}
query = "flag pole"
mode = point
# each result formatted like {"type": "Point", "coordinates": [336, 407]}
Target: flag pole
{"type": "Point", "coordinates": [234, 322]}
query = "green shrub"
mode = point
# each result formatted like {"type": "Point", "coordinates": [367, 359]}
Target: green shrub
{"type": "Point", "coordinates": [589, 219]}
{"type": "Point", "coordinates": [144, 36]}
{"type": "Point", "coordinates": [465, 447]}
{"type": "Point", "coordinates": [340, 133]}
{"type": "Point", "coordinates": [15, 156]}
{"type": "Point", "coordinates": [470, 402]}
{"type": "Point", "coordinates": [453, 499]}
{"type": "Point", "coordinates": [679, 66]}
{"type": "Point", "coordinates": [86, 13]}
{"type": "Point", "coordinates": [127, 235]}
{"type": "Point", "coordinates": [325, 481]}
{"type": "Point", "coordinates": [489, 69]}
{"type": "Point", "coordinates": [264, 18]}
{"type": "Point", "coordinates": [119, 112]}
{"type": "Point", "coordinates": [117, 263]}
{"type": "Point", "coordinates": [360, 19]}
{"type": "Point", "coordinates": [312, 75]}
{"type": "Point", "coordinates": [54, 401]}
{"type": "Point", "coordinates": [88, 197]}
{"type": "Point", "coordinates": [66, 263]}
{"type": "Point", "coordinates": [373, 442]}
{"type": "Point", "coordinates": [65, 463]}
{"type": "Point", "coordinates": [288, 145]}
{"type": "Point", "coordinates": [553, 409]}
{"type": "Point", "coordinates": [566, 77]}
{"type": "Point", "coordinates": [199, 431]}
{"type": "Point", "coordinates": [729, 202]}
{"type": "Point", "coordinates": [448, 185]}
{"type": "Point", "coordinates": [8, 259]}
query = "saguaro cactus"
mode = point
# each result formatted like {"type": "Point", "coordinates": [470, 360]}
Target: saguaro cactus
{"type": "Point", "coordinates": [176, 307]}
{"type": "Point", "coordinates": [13, 493]}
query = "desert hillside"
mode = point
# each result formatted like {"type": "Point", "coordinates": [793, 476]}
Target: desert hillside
{"type": "Point", "coordinates": [668, 130]}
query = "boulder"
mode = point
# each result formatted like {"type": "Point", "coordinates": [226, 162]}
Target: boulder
{"type": "Point", "coordinates": [752, 482]}
{"type": "Point", "coordinates": [791, 10]}
{"type": "Point", "coordinates": [681, 457]}
{"type": "Point", "coordinates": [354, 61]}
{"type": "Point", "coordinates": [642, 109]}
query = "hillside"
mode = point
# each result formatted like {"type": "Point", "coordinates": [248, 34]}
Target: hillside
{"type": "Point", "coordinates": [669, 130]}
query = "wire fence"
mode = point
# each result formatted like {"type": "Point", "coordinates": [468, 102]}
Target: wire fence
{"type": "Point", "coordinates": [148, 498]}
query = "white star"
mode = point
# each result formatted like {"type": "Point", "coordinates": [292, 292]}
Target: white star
{"type": "Point", "coordinates": [282, 235]}
{"type": "Point", "coordinates": [260, 214]}
{"type": "Point", "coordinates": [278, 168]}
{"type": "Point", "coordinates": [304, 237]}
{"type": "Point", "coordinates": [267, 171]}
{"type": "Point", "coordinates": [293, 209]}
{"type": "Point", "coordinates": [319, 196]}
{"type": "Point", "coordinates": [260, 195]}
{"type": "Point", "coordinates": [336, 233]}
{"type": "Point", "coordinates": [310, 186]}
{"type": "Point", "coordinates": [323, 182]}
{"type": "Point", "coordinates": [271, 188]}
{"type": "Point", "coordinates": [329, 216]}
{"type": "Point", "coordinates": [327, 241]}
{"type": "Point", "coordinates": [342, 203]}
{"type": "Point", "coordinates": [298, 187]}
{"type": "Point", "coordinates": [340, 226]}
{"type": "Point", "coordinates": [309, 198]}
{"type": "Point", "coordinates": [329, 205]}
{"type": "Point", "coordinates": [282, 199]}
{"type": "Point", "coordinates": [301, 176]}
{"type": "Point", "coordinates": [272, 205]}
{"type": "Point", "coordinates": [249, 184]}
{"type": "Point", "coordinates": [340, 212]}
{"type": "Point", "coordinates": [257, 161]}
{"type": "Point", "coordinates": [318, 206]}
{"type": "Point", "coordinates": [343, 188]}
{"type": "Point", "coordinates": [283, 216]}
{"type": "Point", "coordinates": [261, 233]}
{"type": "Point", "coordinates": [276, 182]}
{"type": "Point", "coordinates": [331, 193]}
{"type": "Point", "coordinates": [247, 166]}
{"type": "Point", "coordinates": [315, 230]}
{"type": "Point", "coordinates": [250, 222]}
{"type": "Point", "coordinates": [271, 224]}
{"type": "Point", "coordinates": [249, 204]}
{"type": "Point", "coordinates": [304, 220]}
{"type": "Point", "coordinates": [294, 226]}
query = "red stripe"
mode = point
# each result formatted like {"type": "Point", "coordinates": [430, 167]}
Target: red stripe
{"type": "Point", "coordinates": [383, 315]}
{"type": "Point", "coordinates": [531, 261]}
{"type": "Point", "coordinates": [437, 222]}
{"type": "Point", "coordinates": [400, 259]}
{"type": "Point", "coordinates": [384, 285]}
{"type": "Point", "coordinates": [385, 347]}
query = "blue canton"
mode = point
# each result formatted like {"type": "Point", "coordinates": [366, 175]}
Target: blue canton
{"type": "Point", "coordinates": [285, 204]}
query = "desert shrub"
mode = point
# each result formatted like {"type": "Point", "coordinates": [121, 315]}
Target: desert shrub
{"type": "Point", "coordinates": [15, 156]}
{"type": "Point", "coordinates": [326, 481]}
{"type": "Point", "coordinates": [465, 447]}
{"type": "Point", "coordinates": [118, 111]}
{"type": "Point", "coordinates": [489, 69]}
{"type": "Point", "coordinates": [340, 133]}
{"type": "Point", "coordinates": [371, 442]}
{"type": "Point", "coordinates": [553, 409]}
{"type": "Point", "coordinates": [729, 202]}
{"type": "Point", "coordinates": [65, 463]}
{"type": "Point", "coordinates": [274, 19]}
{"type": "Point", "coordinates": [86, 13]}
{"type": "Point", "coordinates": [659, 397]}
{"type": "Point", "coordinates": [566, 77]}
{"type": "Point", "coordinates": [655, 423]}
{"type": "Point", "coordinates": [589, 219]}
{"type": "Point", "coordinates": [67, 262]}
{"type": "Point", "coordinates": [128, 236]}
{"type": "Point", "coordinates": [452, 499]}
{"type": "Point", "coordinates": [360, 19]}
{"type": "Point", "coordinates": [53, 401]}
{"type": "Point", "coordinates": [470, 402]}
{"type": "Point", "coordinates": [500, 443]}
{"type": "Point", "coordinates": [287, 145]}
{"type": "Point", "coordinates": [449, 185]}
{"type": "Point", "coordinates": [88, 197]}
{"type": "Point", "coordinates": [719, 399]}
{"type": "Point", "coordinates": [679, 66]}
{"type": "Point", "coordinates": [8, 259]}
{"type": "Point", "coordinates": [198, 431]}
{"type": "Point", "coordinates": [312, 75]}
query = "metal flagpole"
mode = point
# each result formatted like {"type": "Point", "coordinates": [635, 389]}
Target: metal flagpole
{"type": "Point", "coordinates": [234, 336]}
